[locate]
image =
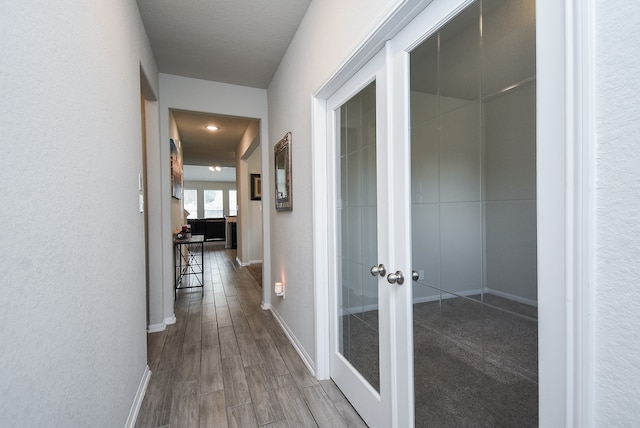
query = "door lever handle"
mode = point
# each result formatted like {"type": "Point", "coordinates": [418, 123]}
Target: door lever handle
{"type": "Point", "coordinates": [396, 278]}
{"type": "Point", "coordinates": [378, 270]}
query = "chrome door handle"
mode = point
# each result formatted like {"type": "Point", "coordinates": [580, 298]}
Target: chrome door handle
{"type": "Point", "coordinates": [378, 270]}
{"type": "Point", "coordinates": [396, 278]}
{"type": "Point", "coordinates": [415, 275]}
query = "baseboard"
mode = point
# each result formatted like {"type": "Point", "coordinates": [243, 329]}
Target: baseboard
{"type": "Point", "coordinates": [306, 359]}
{"type": "Point", "coordinates": [512, 297]}
{"type": "Point", "coordinates": [249, 263]}
{"type": "Point", "coordinates": [444, 295]}
{"type": "Point", "coordinates": [155, 328]}
{"type": "Point", "coordinates": [137, 401]}
{"type": "Point", "coordinates": [265, 306]}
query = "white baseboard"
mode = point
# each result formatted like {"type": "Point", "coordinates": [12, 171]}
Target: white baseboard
{"type": "Point", "coordinates": [265, 306]}
{"type": "Point", "coordinates": [512, 297]}
{"type": "Point", "coordinates": [249, 263]}
{"type": "Point", "coordinates": [306, 359]}
{"type": "Point", "coordinates": [137, 401]}
{"type": "Point", "coordinates": [155, 328]}
{"type": "Point", "coordinates": [445, 295]}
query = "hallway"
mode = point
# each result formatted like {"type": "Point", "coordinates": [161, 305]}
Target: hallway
{"type": "Point", "coordinates": [227, 363]}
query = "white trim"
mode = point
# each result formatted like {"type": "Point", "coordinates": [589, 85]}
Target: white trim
{"type": "Point", "coordinates": [581, 234]}
{"type": "Point", "coordinates": [564, 233]}
{"type": "Point", "coordinates": [512, 297]}
{"type": "Point", "coordinates": [249, 263]}
{"type": "Point", "coordinates": [306, 359]}
{"type": "Point", "coordinates": [397, 16]}
{"type": "Point", "coordinates": [137, 400]}
{"type": "Point", "coordinates": [155, 328]}
{"type": "Point", "coordinates": [320, 227]}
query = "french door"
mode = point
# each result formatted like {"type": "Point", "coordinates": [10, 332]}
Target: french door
{"type": "Point", "coordinates": [360, 304]}
{"type": "Point", "coordinates": [432, 213]}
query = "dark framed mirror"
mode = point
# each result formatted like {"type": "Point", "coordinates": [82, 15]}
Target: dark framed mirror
{"type": "Point", "coordinates": [282, 156]}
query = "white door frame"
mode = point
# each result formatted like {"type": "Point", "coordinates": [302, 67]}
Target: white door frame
{"type": "Point", "coordinates": [565, 142]}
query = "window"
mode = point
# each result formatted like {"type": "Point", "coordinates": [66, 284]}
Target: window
{"type": "Point", "coordinates": [233, 202]}
{"type": "Point", "coordinates": [191, 202]}
{"type": "Point", "coordinates": [213, 204]}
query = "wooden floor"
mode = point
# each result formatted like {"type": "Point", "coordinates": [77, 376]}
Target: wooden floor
{"type": "Point", "coordinates": [227, 363]}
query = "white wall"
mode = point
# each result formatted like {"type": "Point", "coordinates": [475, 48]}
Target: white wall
{"type": "Point", "coordinates": [249, 161]}
{"type": "Point", "coordinates": [510, 194]}
{"type": "Point", "coordinates": [201, 96]}
{"type": "Point", "coordinates": [254, 216]}
{"type": "Point", "coordinates": [329, 32]}
{"type": "Point", "coordinates": [72, 313]}
{"type": "Point", "coordinates": [617, 191]}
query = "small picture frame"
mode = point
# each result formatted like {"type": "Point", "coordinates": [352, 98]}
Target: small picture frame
{"type": "Point", "coordinates": [256, 187]}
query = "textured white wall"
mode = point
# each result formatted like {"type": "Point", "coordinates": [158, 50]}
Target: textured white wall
{"type": "Point", "coordinates": [617, 300]}
{"type": "Point", "coordinates": [329, 32]}
{"type": "Point", "coordinates": [72, 313]}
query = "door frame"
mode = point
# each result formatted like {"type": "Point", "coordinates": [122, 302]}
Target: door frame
{"type": "Point", "coordinates": [566, 227]}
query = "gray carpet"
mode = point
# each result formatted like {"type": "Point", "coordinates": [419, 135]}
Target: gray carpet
{"type": "Point", "coordinates": [475, 364]}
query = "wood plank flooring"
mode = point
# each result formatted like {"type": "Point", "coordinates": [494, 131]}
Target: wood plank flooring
{"type": "Point", "coordinates": [227, 363]}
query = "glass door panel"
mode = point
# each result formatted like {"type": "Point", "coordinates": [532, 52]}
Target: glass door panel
{"type": "Point", "coordinates": [358, 251]}
{"type": "Point", "coordinates": [359, 319]}
{"type": "Point", "coordinates": [474, 219]}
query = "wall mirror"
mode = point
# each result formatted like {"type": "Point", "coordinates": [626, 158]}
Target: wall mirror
{"type": "Point", "coordinates": [282, 152]}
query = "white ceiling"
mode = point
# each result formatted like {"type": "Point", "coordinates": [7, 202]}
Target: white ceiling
{"type": "Point", "coordinates": [202, 173]}
{"type": "Point", "coordinates": [239, 42]}
{"type": "Point", "coordinates": [229, 41]}
{"type": "Point", "coordinates": [209, 148]}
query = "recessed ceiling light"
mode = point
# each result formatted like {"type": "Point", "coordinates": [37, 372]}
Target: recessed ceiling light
{"type": "Point", "coordinates": [212, 127]}
{"type": "Point", "coordinates": [215, 168]}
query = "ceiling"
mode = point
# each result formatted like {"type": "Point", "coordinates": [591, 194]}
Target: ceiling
{"type": "Point", "coordinates": [209, 148]}
{"type": "Point", "coordinates": [239, 42]}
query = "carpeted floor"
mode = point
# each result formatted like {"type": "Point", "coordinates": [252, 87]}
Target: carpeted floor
{"type": "Point", "coordinates": [475, 364]}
